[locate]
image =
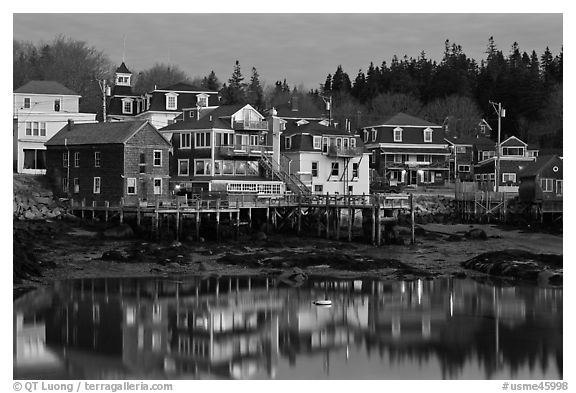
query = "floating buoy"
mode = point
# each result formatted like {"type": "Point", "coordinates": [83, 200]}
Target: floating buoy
{"type": "Point", "coordinates": [324, 302]}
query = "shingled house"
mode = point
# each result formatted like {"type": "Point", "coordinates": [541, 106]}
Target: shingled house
{"type": "Point", "coordinates": [109, 162]}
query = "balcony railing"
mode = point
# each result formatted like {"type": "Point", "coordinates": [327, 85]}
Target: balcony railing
{"type": "Point", "coordinates": [335, 151]}
{"type": "Point", "coordinates": [243, 150]}
{"type": "Point", "coordinates": [417, 164]}
{"type": "Point", "coordinates": [251, 125]}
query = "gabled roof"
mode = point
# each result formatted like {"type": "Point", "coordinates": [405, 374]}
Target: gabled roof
{"type": "Point", "coordinates": [217, 118]}
{"type": "Point", "coordinates": [123, 69]}
{"type": "Point", "coordinates": [404, 120]}
{"type": "Point", "coordinates": [286, 111]}
{"type": "Point", "coordinates": [537, 166]}
{"type": "Point", "coordinates": [513, 141]}
{"type": "Point", "coordinates": [183, 86]}
{"type": "Point", "coordinates": [96, 133]}
{"type": "Point", "coordinates": [45, 87]}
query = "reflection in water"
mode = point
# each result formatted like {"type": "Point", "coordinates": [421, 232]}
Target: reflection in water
{"type": "Point", "coordinates": [256, 327]}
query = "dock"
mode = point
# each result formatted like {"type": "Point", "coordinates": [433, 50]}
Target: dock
{"type": "Point", "coordinates": [331, 216]}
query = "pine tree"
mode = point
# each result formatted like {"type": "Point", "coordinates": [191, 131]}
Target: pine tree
{"type": "Point", "coordinates": [211, 82]}
{"type": "Point", "coordinates": [255, 93]}
{"type": "Point", "coordinates": [236, 90]}
{"type": "Point", "coordinates": [327, 88]}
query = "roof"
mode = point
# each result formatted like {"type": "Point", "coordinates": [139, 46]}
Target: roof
{"type": "Point", "coordinates": [183, 86]}
{"type": "Point", "coordinates": [119, 90]}
{"type": "Point", "coordinates": [535, 167]}
{"type": "Point", "coordinates": [123, 69]}
{"type": "Point", "coordinates": [404, 120]}
{"type": "Point", "coordinates": [212, 120]}
{"type": "Point", "coordinates": [423, 150]}
{"type": "Point", "coordinates": [472, 140]}
{"type": "Point", "coordinates": [45, 87]}
{"type": "Point", "coordinates": [96, 133]}
{"type": "Point", "coordinates": [314, 128]}
{"type": "Point", "coordinates": [513, 141]}
{"type": "Point", "coordinates": [307, 112]}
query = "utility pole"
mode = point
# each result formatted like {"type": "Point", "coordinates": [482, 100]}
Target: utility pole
{"type": "Point", "coordinates": [329, 107]}
{"type": "Point", "coordinates": [105, 93]}
{"type": "Point", "coordinates": [501, 113]}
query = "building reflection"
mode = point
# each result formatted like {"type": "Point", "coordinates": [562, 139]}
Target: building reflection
{"type": "Point", "coordinates": [242, 327]}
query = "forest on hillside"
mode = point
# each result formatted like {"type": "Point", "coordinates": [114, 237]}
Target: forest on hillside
{"type": "Point", "coordinates": [455, 92]}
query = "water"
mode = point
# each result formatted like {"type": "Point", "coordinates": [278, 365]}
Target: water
{"type": "Point", "coordinates": [253, 327]}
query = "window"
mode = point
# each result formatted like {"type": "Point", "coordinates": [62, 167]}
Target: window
{"type": "Point", "coordinates": [76, 185]}
{"type": "Point", "coordinates": [319, 188]}
{"type": "Point", "coordinates": [131, 188]}
{"type": "Point", "coordinates": [365, 135]}
{"type": "Point", "coordinates": [42, 128]}
{"type": "Point", "coordinates": [64, 184]}
{"type": "Point", "coordinates": [314, 168]}
{"type": "Point", "coordinates": [513, 151]}
{"type": "Point", "coordinates": [345, 143]}
{"type": "Point", "coordinates": [374, 134]}
{"type": "Point", "coordinates": [142, 164]}
{"type": "Point", "coordinates": [157, 157]}
{"type": "Point", "coordinates": [397, 157]}
{"type": "Point", "coordinates": [65, 159]}
{"type": "Point", "coordinates": [478, 177]}
{"type": "Point", "coordinates": [171, 101]}
{"type": "Point", "coordinates": [350, 190]}
{"type": "Point", "coordinates": [317, 142]}
{"type": "Point", "coordinates": [185, 140]}
{"type": "Point", "coordinates": [352, 143]}
{"type": "Point", "coordinates": [373, 157]}
{"type": "Point", "coordinates": [57, 105]}
{"type": "Point", "coordinates": [202, 139]}
{"type": "Point", "coordinates": [509, 177]}
{"type": "Point", "coordinates": [338, 143]}
{"type": "Point", "coordinates": [253, 140]}
{"type": "Point", "coordinates": [183, 168]}
{"type": "Point", "coordinates": [460, 149]}
{"type": "Point", "coordinates": [463, 168]}
{"type": "Point", "coordinates": [28, 128]}
{"type": "Point", "coordinates": [228, 167]}
{"type": "Point", "coordinates": [335, 169]}
{"type": "Point", "coordinates": [34, 159]}
{"type": "Point", "coordinates": [96, 185]}
{"type": "Point", "coordinates": [77, 159]}
{"type": "Point", "coordinates": [324, 145]}
{"type": "Point", "coordinates": [559, 187]}
{"type": "Point", "coordinates": [354, 169]}
{"type": "Point", "coordinates": [547, 185]}
{"type": "Point", "coordinates": [428, 135]}
{"type": "Point", "coordinates": [488, 154]}
{"type": "Point", "coordinates": [157, 186]}
{"type": "Point", "coordinates": [202, 167]}
{"type": "Point", "coordinates": [397, 134]}
{"type": "Point", "coordinates": [27, 102]}
{"type": "Point", "coordinates": [288, 142]}
{"type": "Point", "coordinates": [96, 159]}
{"type": "Point", "coordinates": [127, 106]}
{"type": "Point", "coordinates": [202, 100]}
{"type": "Point", "coordinates": [35, 128]}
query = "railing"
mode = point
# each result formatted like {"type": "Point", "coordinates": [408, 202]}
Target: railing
{"type": "Point", "coordinates": [243, 150]}
{"type": "Point", "coordinates": [277, 170]}
{"type": "Point", "coordinates": [335, 151]}
{"type": "Point", "coordinates": [251, 125]}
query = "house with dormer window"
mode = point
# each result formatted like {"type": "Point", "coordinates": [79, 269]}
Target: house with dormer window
{"type": "Point", "coordinates": [407, 150]}
{"type": "Point", "coordinates": [220, 150]}
{"type": "Point", "coordinates": [41, 109]}
{"type": "Point", "coordinates": [160, 106]}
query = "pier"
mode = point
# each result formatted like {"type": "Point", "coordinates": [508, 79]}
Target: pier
{"type": "Point", "coordinates": [330, 216]}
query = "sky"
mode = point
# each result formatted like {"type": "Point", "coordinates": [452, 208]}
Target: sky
{"type": "Point", "coordinates": [303, 48]}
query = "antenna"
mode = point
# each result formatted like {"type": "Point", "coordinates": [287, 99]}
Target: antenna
{"type": "Point", "coordinates": [123, 48]}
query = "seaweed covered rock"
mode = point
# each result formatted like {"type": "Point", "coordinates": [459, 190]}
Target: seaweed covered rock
{"type": "Point", "coordinates": [519, 264]}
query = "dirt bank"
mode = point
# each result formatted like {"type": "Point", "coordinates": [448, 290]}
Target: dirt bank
{"type": "Point", "coordinates": [72, 249]}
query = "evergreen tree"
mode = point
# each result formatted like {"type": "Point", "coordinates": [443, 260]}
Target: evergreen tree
{"type": "Point", "coordinates": [211, 82]}
{"type": "Point", "coordinates": [235, 92]}
{"type": "Point", "coordinates": [327, 87]}
{"type": "Point", "coordinates": [255, 93]}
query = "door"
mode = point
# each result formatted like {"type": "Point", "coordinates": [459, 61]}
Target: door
{"type": "Point", "coordinates": [413, 178]}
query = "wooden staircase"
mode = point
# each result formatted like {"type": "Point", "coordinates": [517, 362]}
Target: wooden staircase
{"type": "Point", "coordinates": [274, 170]}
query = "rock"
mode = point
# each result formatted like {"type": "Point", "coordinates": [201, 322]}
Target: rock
{"type": "Point", "coordinates": [43, 200]}
{"type": "Point", "coordinates": [120, 232]}
{"type": "Point", "coordinates": [453, 238]}
{"type": "Point", "coordinates": [174, 265]}
{"type": "Point", "coordinates": [176, 244]}
{"type": "Point", "coordinates": [476, 234]}
{"type": "Point", "coordinates": [260, 236]}
{"type": "Point", "coordinates": [115, 255]}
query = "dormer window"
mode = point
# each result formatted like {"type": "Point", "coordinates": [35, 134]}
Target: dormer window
{"type": "Point", "coordinates": [288, 142]}
{"type": "Point", "coordinates": [374, 134]}
{"type": "Point", "coordinates": [171, 101]}
{"type": "Point", "coordinates": [366, 135]}
{"type": "Point", "coordinates": [324, 123]}
{"type": "Point", "coordinates": [428, 135]}
{"type": "Point", "coordinates": [202, 100]}
{"type": "Point", "coordinates": [301, 122]}
{"type": "Point", "coordinates": [317, 142]}
{"type": "Point", "coordinates": [127, 106]}
{"type": "Point", "coordinates": [398, 134]}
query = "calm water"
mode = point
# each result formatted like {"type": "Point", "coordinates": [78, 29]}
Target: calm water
{"type": "Point", "coordinates": [253, 327]}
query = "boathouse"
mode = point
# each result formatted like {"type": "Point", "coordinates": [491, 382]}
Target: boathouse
{"type": "Point", "coordinates": [119, 162]}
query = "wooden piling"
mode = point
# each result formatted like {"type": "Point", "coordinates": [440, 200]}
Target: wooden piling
{"type": "Point", "coordinates": [250, 217]}
{"type": "Point", "coordinates": [327, 216]}
{"type": "Point", "coordinates": [267, 218]}
{"type": "Point", "coordinates": [378, 223]}
{"type": "Point", "coordinates": [299, 218]}
{"type": "Point", "coordinates": [178, 222]}
{"type": "Point", "coordinates": [121, 210]}
{"type": "Point", "coordinates": [237, 223]}
{"type": "Point", "coordinates": [138, 219]}
{"type": "Point", "coordinates": [107, 206]}
{"type": "Point", "coordinates": [198, 226]}
{"type": "Point", "coordinates": [373, 238]}
{"type": "Point", "coordinates": [157, 219]}
{"type": "Point", "coordinates": [338, 221]}
{"type": "Point", "coordinates": [412, 223]}
{"type": "Point", "coordinates": [218, 226]}
{"type": "Point", "coordinates": [83, 207]}
{"type": "Point", "coordinates": [93, 210]}
{"type": "Point", "coordinates": [350, 223]}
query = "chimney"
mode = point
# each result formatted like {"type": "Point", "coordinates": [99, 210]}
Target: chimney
{"type": "Point", "coordinates": [294, 102]}
{"type": "Point", "coordinates": [70, 124]}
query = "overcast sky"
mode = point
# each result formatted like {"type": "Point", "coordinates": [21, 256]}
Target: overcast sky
{"type": "Point", "coordinates": [303, 48]}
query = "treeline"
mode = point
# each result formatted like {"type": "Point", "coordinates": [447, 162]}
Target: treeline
{"type": "Point", "coordinates": [454, 92]}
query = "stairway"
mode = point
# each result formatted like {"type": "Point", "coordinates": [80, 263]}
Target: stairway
{"type": "Point", "coordinates": [275, 171]}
